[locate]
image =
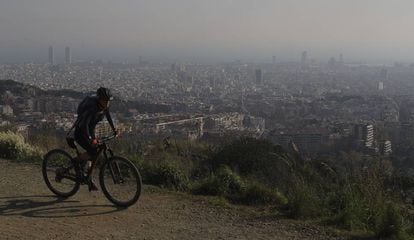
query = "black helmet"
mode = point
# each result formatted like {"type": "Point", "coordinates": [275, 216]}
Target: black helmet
{"type": "Point", "coordinates": [104, 93]}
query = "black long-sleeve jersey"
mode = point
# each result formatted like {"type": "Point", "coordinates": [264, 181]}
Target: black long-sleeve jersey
{"type": "Point", "coordinates": [90, 115]}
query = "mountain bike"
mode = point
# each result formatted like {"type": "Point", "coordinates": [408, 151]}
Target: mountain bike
{"type": "Point", "coordinates": [119, 179]}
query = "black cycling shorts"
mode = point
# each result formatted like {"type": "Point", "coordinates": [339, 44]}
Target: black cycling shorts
{"type": "Point", "coordinates": [85, 143]}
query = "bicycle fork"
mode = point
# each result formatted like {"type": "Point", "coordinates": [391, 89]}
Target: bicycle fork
{"type": "Point", "coordinates": [113, 168]}
{"type": "Point", "coordinates": [115, 172]}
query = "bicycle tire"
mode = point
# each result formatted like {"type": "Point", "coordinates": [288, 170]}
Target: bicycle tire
{"type": "Point", "coordinates": [136, 180]}
{"type": "Point", "coordinates": [76, 184]}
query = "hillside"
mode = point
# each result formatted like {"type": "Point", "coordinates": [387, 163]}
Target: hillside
{"type": "Point", "coordinates": [29, 211]}
{"type": "Point", "coordinates": [120, 105]}
{"type": "Point", "coordinates": [21, 89]}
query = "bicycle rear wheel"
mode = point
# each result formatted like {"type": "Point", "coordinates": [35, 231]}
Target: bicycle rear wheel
{"type": "Point", "coordinates": [120, 181]}
{"type": "Point", "coordinates": [59, 173]}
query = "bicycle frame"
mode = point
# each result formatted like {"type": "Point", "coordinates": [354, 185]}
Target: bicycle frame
{"type": "Point", "coordinates": [104, 149]}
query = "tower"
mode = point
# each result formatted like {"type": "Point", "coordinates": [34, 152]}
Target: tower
{"type": "Point", "coordinates": [383, 78]}
{"type": "Point", "coordinates": [364, 135]}
{"type": "Point", "coordinates": [369, 135]}
{"type": "Point", "coordinates": [51, 56]}
{"type": "Point", "coordinates": [380, 86]}
{"type": "Point", "coordinates": [259, 77]}
{"type": "Point", "coordinates": [68, 57]}
{"type": "Point", "coordinates": [332, 63]}
{"type": "Point", "coordinates": [304, 59]}
{"type": "Point", "coordinates": [341, 59]}
{"type": "Point", "coordinates": [384, 74]}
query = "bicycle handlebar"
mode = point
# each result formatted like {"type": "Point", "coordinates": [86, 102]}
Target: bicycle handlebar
{"type": "Point", "coordinates": [105, 139]}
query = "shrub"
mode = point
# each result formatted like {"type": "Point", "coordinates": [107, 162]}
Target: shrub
{"type": "Point", "coordinates": [230, 180]}
{"type": "Point", "coordinates": [210, 186]}
{"type": "Point", "coordinates": [367, 205]}
{"type": "Point", "coordinates": [250, 157]}
{"type": "Point", "coordinates": [47, 140]}
{"type": "Point", "coordinates": [8, 127]}
{"type": "Point", "coordinates": [223, 182]}
{"type": "Point", "coordinates": [258, 194]}
{"type": "Point", "coordinates": [390, 223]}
{"type": "Point", "coordinates": [165, 175]}
{"type": "Point", "coordinates": [13, 146]}
{"type": "Point", "coordinates": [353, 209]}
{"type": "Point", "coordinates": [137, 160]}
{"type": "Point", "coordinates": [354, 215]}
{"type": "Point", "coordinates": [226, 183]}
{"type": "Point", "coordinates": [303, 202]}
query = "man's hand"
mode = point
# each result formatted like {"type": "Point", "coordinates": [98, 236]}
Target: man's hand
{"type": "Point", "coordinates": [94, 142]}
{"type": "Point", "coordinates": [117, 133]}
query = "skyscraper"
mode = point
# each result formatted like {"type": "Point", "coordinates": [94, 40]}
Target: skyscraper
{"type": "Point", "coordinates": [259, 76]}
{"type": "Point", "coordinates": [332, 63]}
{"type": "Point", "coordinates": [369, 135]}
{"type": "Point", "coordinates": [68, 57]}
{"type": "Point", "coordinates": [51, 56]}
{"type": "Point", "coordinates": [384, 74]}
{"type": "Point", "coordinates": [380, 86]}
{"type": "Point", "coordinates": [304, 59]}
{"type": "Point", "coordinates": [364, 135]}
{"type": "Point", "coordinates": [383, 78]}
{"type": "Point", "coordinates": [341, 59]}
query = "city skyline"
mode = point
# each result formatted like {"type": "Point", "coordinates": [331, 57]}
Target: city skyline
{"type": "Point", "coordinates": [64, 56]}
{"type": "Point", "coordinates": [368, 31]}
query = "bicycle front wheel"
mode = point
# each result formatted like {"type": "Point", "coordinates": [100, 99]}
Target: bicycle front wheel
{"type": "Point", "coordinates": [120, 181]}
{"type": "Point", "coordinates": [59, 173]}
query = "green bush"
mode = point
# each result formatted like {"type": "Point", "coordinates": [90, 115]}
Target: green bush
{"type": "Point", "coordinates": [367, 205]}
{"type": "Point", "coordinates": [251, 157]}
{"type": "Point", "coordinates": [303, 202]}
{"type": "Point", "coordinates": [47, 140]}
{"type": "Point", "coordinates": [390, 223]}
{"type": "Point", "coordinates": [258, 194]}
{"type": "Point", "coordinates": [354, 212]}
{"type": "Point", "coordinates": [13, 146]}
{"type": "Point", "coordinates": [165, 175]}
{"type": "Point", "coordinates": [210, 186]}
{"type": "Point", "coordinates": [231, 181]}
{"type": "Point", "coordinates": [223, 182]}
{"type": "Point", "coordinates": [8, 127]}
{"type": "Point", "coordinates": [137, 160]}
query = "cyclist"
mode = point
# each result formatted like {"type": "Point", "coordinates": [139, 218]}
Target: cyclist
{"type": "Point", "coordinates": [90, 111]}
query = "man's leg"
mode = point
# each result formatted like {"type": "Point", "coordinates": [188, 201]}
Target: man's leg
{"type": "Point", "coordinates": [92, 156]}
{"type": "Point", "coordinates": [84, 157]}
{"type": "Point", "coordinates": [89, 155]}
{"type": "Point", "coordinates": [82, 160]}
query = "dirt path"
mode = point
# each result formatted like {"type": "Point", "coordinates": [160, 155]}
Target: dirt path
{"type": "Point", "coordinates": [29, 211]}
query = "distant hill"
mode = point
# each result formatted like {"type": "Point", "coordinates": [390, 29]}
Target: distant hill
{"type": "Point", "coordinates": [21, 89]}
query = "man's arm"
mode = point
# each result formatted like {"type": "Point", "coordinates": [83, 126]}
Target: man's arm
{"type": "Point", "coordinates": [86, 119]}
{"type": "Point", "coordinates": [109, 118]}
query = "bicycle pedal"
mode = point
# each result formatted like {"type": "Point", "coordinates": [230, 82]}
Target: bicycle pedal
{"type": "Point", "coordinates": [92, 187]}
{"type": "Point", "coordinates": [84, 181]}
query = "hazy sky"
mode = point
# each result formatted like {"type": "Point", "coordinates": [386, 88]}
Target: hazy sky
{"type": "Point", "coordinates": [366, 30]}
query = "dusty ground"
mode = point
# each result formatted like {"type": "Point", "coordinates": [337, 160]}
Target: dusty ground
{"type": "Point", "coordinates": [28, 210]}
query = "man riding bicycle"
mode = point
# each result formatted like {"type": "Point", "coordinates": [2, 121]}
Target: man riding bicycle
{"type": "Point", "coordinates": [90, 112]}
{"type": "Point", "coordinates": [63, 174]}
